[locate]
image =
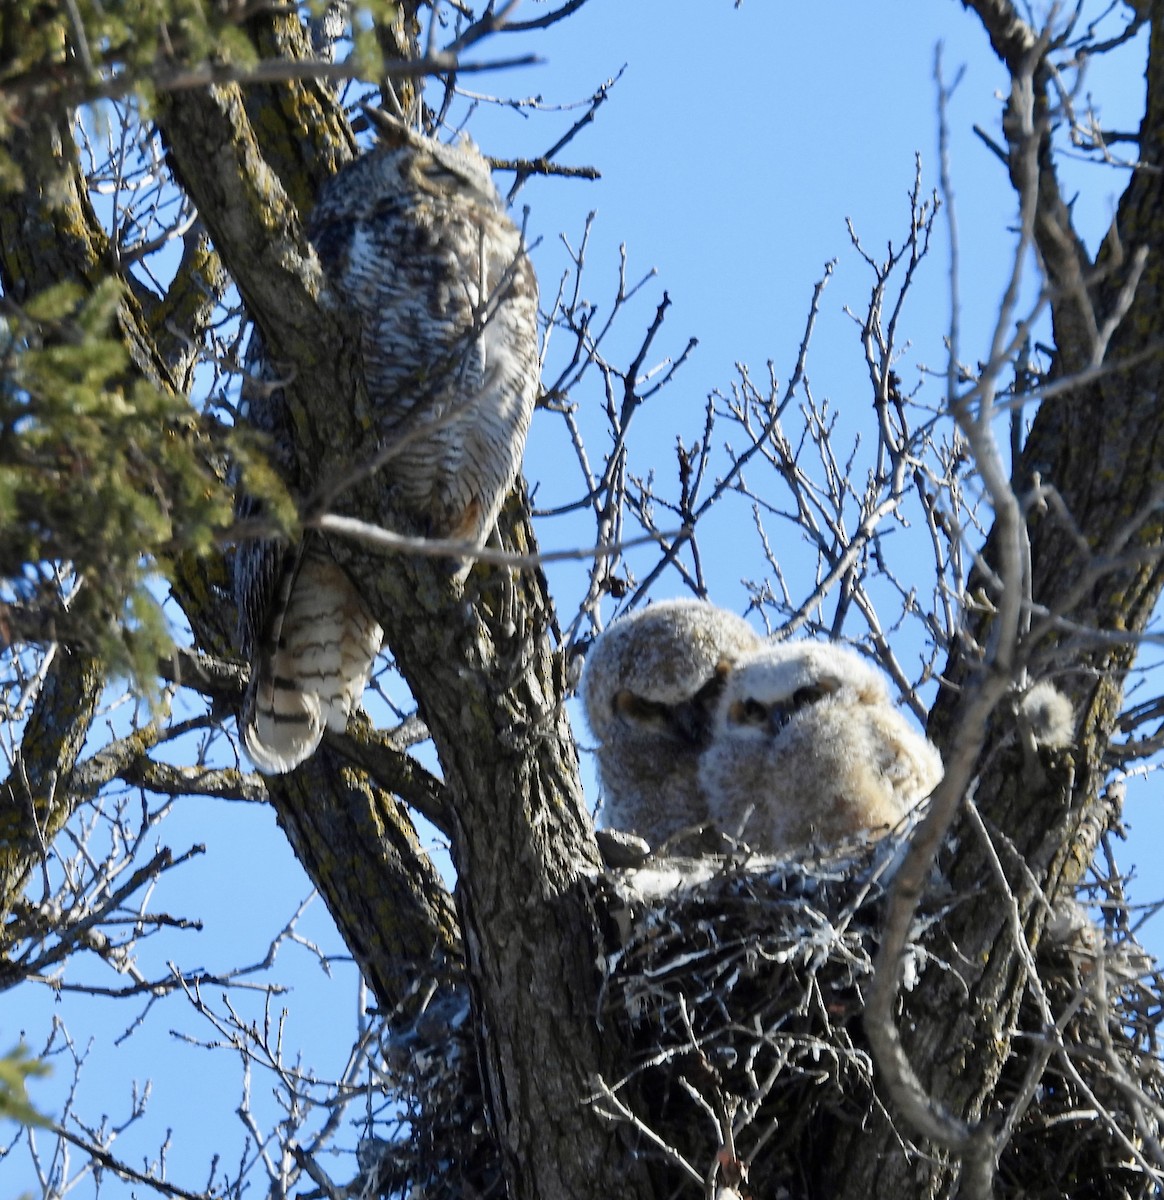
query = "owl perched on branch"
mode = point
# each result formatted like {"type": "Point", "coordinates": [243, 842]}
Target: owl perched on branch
{"type": "Point", "coordinates": [649, 688]}
{"type": "Point", "coordinates": [806, 747]}
{"type": "Point", "coordinates": [416, 244]}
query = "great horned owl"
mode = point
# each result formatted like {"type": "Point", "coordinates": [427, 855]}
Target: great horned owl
{"type": "Point", "coordinates": [806, 746]}
{"type": "Point", "coordinates": [648, 687]}
{"type": "Point", "coordinates": [416, 244]}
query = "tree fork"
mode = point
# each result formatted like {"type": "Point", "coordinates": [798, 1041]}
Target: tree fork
{"type": "Point", "coordinates": [1101, 447]}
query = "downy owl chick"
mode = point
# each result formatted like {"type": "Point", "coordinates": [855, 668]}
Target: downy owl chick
{"type": "Point", "coordinates": [650, 683]}
{"type": "Point", "coordinates": [806, 747]}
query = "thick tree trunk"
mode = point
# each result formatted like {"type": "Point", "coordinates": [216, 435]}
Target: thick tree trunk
{"type": "Point", "coordinates": [491, 688]}
{"type": "Point", "coordinates": [488, 684]}
{"type": "Point", "coordinates": [490, 681]}
{"type": "Point", "coordinates": [355, 840]}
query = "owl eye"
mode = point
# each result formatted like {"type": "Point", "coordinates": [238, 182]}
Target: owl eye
{"type": "Point", "coordinates": [749, 712]}
{"type": "Point", "coordinates": [636, 708]}
{"type": "Point", "coordinates": [627, 704]}
{"type": "Point", "coordinates": [810, 694]}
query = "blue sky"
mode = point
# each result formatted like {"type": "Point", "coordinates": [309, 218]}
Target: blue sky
{"type": "Point", "coordinates": [732, 149]}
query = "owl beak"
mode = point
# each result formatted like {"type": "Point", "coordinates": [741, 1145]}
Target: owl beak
{"type": "Point", "coordinates": [778, 716]}
{"type": "Point", "coordinates": [690, 722]}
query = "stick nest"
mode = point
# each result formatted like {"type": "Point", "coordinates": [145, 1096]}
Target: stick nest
{"type": "Point", "coordinates": [739, 987]}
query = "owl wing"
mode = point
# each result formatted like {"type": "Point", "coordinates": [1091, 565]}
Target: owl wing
{"type": "Point", "coordinates": [909, 761]}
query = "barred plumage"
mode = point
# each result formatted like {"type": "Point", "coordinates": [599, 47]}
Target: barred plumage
{"type": "Point", "coordinates": [415, 239]}
{"type": "Point", "coordinates": [415, 242]}
{"type": "Point", "coordinates": [313, 664]}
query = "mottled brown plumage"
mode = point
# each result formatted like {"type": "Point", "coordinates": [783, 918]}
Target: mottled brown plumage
{"type": "Point", "coordinates": [417, 247]}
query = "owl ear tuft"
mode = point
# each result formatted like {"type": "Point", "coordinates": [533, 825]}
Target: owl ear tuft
{"type": "Point", "coordinates": [391, 131]}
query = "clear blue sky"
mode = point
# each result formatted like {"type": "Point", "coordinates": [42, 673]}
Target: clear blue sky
{"type": "Point", "coordinates": [732, 150]}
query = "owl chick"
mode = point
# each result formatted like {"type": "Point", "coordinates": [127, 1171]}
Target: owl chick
{"type": "Point", "coordinates": [1048, 715]}
{"type": "Point", "coordinates": [806, 747]}
{"type": "Point", "coordinates": [648, 687]}
{"type": "Point", "coordinates": [419, 251]}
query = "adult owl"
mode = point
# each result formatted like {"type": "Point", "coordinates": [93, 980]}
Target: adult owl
{"type": "Point", "coordinates": [648, 687]}
{"type": "Point", "coordinates": [417, 247]}
{"type": "Point", "coordinates": [807, 747]}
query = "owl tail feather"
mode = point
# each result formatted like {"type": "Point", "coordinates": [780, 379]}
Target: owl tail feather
{"type": "Point", "coordinates": [321, 648]}
{"type": "Point", "coordinates": [282, 726]}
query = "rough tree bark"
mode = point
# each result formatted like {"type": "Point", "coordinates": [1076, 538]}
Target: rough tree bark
{"type": "Point", "coordinates": [490, 681]}
{"type": "Point", "coordinates": [354, 838]}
